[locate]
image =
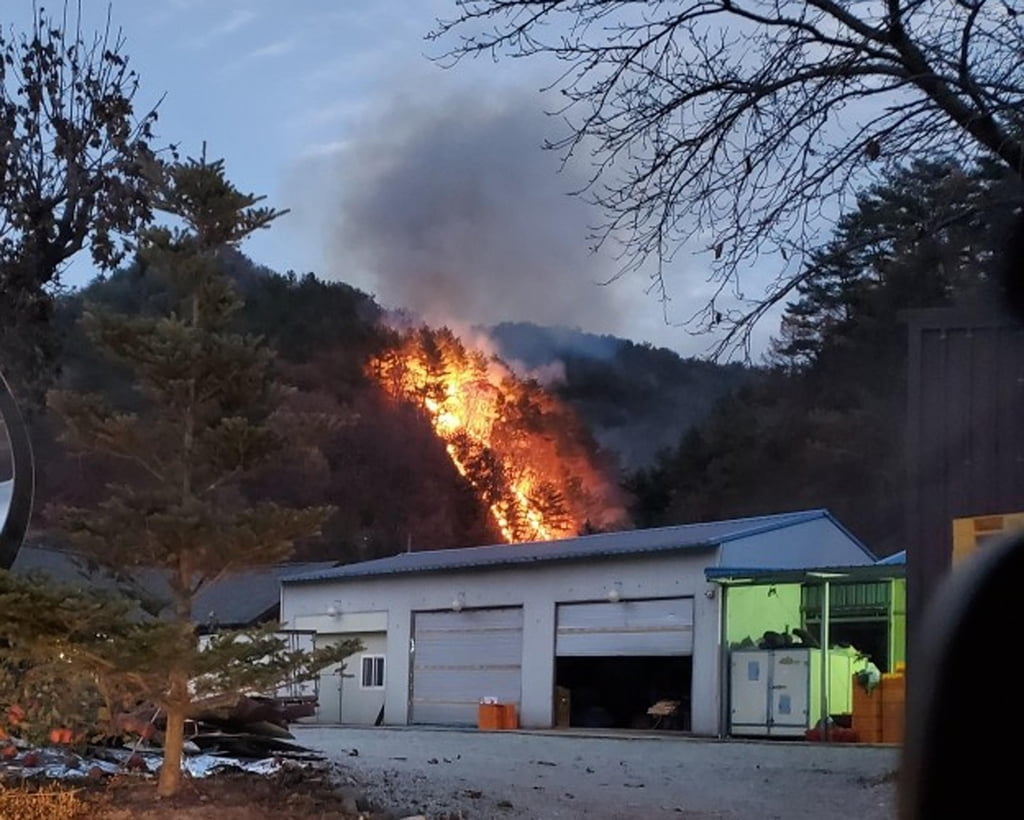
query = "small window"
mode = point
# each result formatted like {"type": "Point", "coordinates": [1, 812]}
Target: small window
{"type": "Point", "coordinates": [372, 676]}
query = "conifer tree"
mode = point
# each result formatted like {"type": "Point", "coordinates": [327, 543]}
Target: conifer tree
{"type": "Point", "coordinates": [202, 418]}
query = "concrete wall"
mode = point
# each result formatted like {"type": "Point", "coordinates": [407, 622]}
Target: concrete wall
{"type": "Point", "coordinates": [538, 589]}
{"type": "Point", "coordinates": [815, 543]}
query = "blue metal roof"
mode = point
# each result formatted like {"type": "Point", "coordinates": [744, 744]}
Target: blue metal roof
{"type": "Point", "coordinates": [894, 559]}
{"type": "Point", "coordinates": [628, 542]}
{"type": "Point", "coordinates": [768, 575]}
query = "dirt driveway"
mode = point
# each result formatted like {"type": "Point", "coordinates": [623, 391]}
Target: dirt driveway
{"type": "Point", "coordinates": [541, 775]}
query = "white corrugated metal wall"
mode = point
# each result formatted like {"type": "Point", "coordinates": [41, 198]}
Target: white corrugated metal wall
{"type": "Point", "coordinates": [625, 628]}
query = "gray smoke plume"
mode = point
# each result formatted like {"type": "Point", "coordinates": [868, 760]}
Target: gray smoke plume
{"type": "Point", "coordinates": [452, 209]}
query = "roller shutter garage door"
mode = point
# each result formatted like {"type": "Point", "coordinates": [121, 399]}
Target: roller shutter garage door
{"type": "Point", "coordinates": [461, 657]}
{"type": "Point", "coordinates": [626, 628]}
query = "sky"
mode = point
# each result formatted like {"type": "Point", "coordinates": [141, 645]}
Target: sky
{"type": "Point", "coordinates": [425, 186]}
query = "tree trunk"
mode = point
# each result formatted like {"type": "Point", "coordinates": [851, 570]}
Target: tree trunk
{"type": "Point", "coordinates": [174, 735]}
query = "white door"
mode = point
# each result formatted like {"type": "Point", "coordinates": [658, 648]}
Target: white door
{"type": "Point", "coordinates": [749, 682]}
{"type": "Point", "coordinates": [329, 687]}
{"type": "Point", "coordinates": [789, 692]}
{"type": "Point", "coordinates": [458, 658]}
{"type": "Point", "coordinates": [625, 628]}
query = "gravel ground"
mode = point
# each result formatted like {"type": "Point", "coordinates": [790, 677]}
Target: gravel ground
{"type": "Point", "coordinates": [576, 775]}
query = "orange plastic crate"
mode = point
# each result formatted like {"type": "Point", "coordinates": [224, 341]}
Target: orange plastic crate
{"type": "Point", "coordinates": [894, 705]}
{"type": "Point", "coordinates": [509, 716]}
{"type": "Point", "coordinates": [490, 717]}
{"type": "Point", "coordinates": [893, 729]}
{"type": "Point", "coordinates": [894, 686]}
{"type": "Point", "coordinates": [867, 713]}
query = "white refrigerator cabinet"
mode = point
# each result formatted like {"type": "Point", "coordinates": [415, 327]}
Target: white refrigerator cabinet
{"type": "Point", "coordinates": [777, 692]}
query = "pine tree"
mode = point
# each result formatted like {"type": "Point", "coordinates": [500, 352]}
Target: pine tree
{"type": "Point", "coordinates": [915, 240]}
{"type": "Point", "coordinates": [201, 419]}
{"type": "Point", "coordinates": [551, 503]}
{"type": "Point", "coordinates": [825, 427]}
{"type": "Point", "coordinates": [57, 648]}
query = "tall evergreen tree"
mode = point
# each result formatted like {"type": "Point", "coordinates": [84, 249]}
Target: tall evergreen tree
{"type": "Point", "coordinates": [920, 239]}
{"type": "Point", "coordinates": [201, 419]}
{"type": "Point", "coordinates": [824, 427]}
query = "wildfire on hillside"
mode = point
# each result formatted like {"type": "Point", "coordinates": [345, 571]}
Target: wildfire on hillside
{"type": "Point", "coordinates": [523, 451]}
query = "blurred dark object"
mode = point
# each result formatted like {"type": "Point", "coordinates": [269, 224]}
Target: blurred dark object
{"type": "Point", "coordinates": [16, 497]}
{"type": "Point", "coordinates": [954, 755]}
{"type": "Point", "coordinates": [1012, 272]}
{"type": "Point", "coordinates": [965, 439]}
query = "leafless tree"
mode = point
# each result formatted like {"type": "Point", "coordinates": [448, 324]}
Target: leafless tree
{"type": "Point", "coordinates": [739, 127]}
{"type": "Point", "coordinates": [73, 171]}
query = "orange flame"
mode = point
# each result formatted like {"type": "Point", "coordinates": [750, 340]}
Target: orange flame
{"type": "Point", "coordinates": [515, 444]}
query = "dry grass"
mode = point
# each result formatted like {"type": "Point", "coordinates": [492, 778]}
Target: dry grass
{"type": "Point", "coordinates": [45, 803]}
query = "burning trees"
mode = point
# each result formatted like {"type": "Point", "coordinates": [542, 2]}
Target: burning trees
{"type": "Point", "coordinates": [201, 419]}
{"type": "Point", "coordinates": [524, 452]}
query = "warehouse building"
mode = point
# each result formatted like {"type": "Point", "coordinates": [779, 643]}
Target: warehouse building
{"type": "Point", "coordinates": [591, 630]}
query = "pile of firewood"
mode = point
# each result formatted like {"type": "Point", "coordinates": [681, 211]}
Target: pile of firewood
{"type": "Point", "coordinates": [248, 727]}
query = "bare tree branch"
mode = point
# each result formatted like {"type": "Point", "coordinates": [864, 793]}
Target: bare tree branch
{"type": "Point", "coordinates": [738, 128]}
{"type": "Point", "coordinates": [74, 161]}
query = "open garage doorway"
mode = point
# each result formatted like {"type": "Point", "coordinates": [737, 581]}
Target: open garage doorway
{"type": "Point", "coordinates": [624, 664]}
{"type": "Point", "coordinates": [624, 692]}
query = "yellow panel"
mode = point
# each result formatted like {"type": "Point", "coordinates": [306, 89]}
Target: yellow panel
{"type": "Point", "coordinates": [989, 523]}
{"type": "Point", "coordinates": [968, 533]}
{"type": "Point", "coordinates": [964, 539]}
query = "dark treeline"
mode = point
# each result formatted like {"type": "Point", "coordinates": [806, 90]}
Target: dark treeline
{"type": "Point", "coordinates": [824, 424]}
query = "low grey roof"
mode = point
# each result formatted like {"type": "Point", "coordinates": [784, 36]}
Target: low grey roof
{"type": "Point", "coordinates": [628, 542]}
{"type": "Point", "coordinates": [233, 601]}
{"type": "Point", "coordinates": [246, 597]}
{"type": "Point", "coordinates": [60, 565]}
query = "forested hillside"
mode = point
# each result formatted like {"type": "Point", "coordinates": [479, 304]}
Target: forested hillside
{"type": "Point", "coordinates": [380, 463]}
{"type": "Point", "coordinates": [819, 424]}
{"type": "Point", "coordinates": [637, 398]}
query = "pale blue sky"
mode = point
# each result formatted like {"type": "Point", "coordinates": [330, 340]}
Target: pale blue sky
{"type": "Point", "coordinates": [329, 106]}
{"type": "Point", "coordinates": [265, 83]}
